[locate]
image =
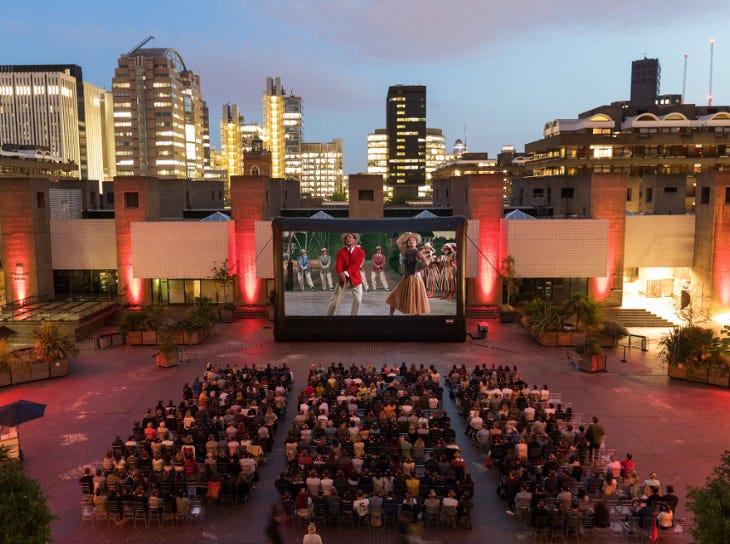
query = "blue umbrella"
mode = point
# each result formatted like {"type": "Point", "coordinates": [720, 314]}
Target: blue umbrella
{"type": "Point", "coordinates": [20, 411]}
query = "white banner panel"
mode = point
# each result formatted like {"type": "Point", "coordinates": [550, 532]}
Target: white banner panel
{"type": "Point", "coordinates": [471, 256]}
{"type": "Point", "coordinates": [178, 249]}
{"type": "Point", "coordinates": [264, 250]}
{"type": "Point", "coordinates": [559, 248]}
{"type": "Point", "coordinates": [659, 241]}
{"type": "Point", "coordinates": [83, 244]}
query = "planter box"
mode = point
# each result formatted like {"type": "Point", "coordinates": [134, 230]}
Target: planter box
{"type": "Point", "coordinates": [20, 372]}
{"type": "Point", "coordinates": [597, 363]}
{"type": "Point", "coordinates": [134, 338]}
{"type": "Point", "coordinates": [39, 371]}
{"type": "Point", "coordinates": [697, 373]}
{"type": "Point", "coordinates": [59, 368]}
{"type": "Point", "coordinates": [509, 317]}
{"type": "Point", "coordinates": [718, 376]}
{"type": "Point", "coordinates": [678, 371]}
{"type": "Point", "coordinates": [149, 338]}
{"type": "Point", "coordinates": [167, 360]}
{"type": "Point", "coordinates": [5, 378]}
{"type": "Point", "coordinates": [561, 339]}
{"type": "Point", "coordinates": [195, 337]}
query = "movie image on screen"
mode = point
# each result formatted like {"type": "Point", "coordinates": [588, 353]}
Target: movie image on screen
{"type": "Point", "coordinates": [375, 278]}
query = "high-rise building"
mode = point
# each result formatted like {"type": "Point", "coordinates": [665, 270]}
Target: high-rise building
{"type": "Point", "coordinates": [159, 116]}
{"type": "Point", "coordinates": [283, 130]}
{"type": "Point", "coordinates": [322, 173]}
{"type": "Point", "coordinates": [231, 146]}
{"type": "Point", "coordinates": [109, 160]}
{"type": "Point", "coordinates": [435, 156]}
{"type": "Point", "coordinates": [645, 79]}
{"type": "Point", "coordinates": [378, 153]}
{"type": "Point", "coordinates": [406, 129]}
{"type": "Point", "coordinates": [44, 106]}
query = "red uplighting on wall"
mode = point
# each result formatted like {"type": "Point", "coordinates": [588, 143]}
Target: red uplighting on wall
{"type": "Point", "coordinates": [248, 284]}
{"type": "Point", "coordinates": [20, 279]}
{"type": "Point", "coordinates": [721, 270]}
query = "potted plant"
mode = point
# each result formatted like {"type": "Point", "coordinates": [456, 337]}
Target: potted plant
{"type": "Point", "coordinates": [167, 351]}
{"type": "Point", "coordinates": [140, 326]}
{"type": "Point", "coordinates": [511, 282]}
{"type": "Point", "coordinates": [198, 321]}
{"type": "Point", "coordinates": [591, 355]}
{"type": "Point", "coordinates": [544, 320]}
{"type": "Point", "coordinates": [54, 345]}
{"type": "Point", "coordinates": [686, 351]}
{"type": "Point", "coordinates": [613, 332]}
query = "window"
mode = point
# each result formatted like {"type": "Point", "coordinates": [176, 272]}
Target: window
{"type": "Point", "coordinates": [40, 200]}
{"type": "Point", "coordinates": [131, 200]}
{"type": "Point", "coordinates": [705, 195]}
{"type": "Point", "coordinates": [366, 195]}
{"type": "Point", "coordinates": [629, 194]}
{"type": "Point", "coordinates": [727, 195]}
{"type": "Point", "coordinates": [110, 197]}
{"type": "Point", "coordinates": [649, 194]}
{"type": "Point", "coordinates": [567, 192]}
{"type": "Point", "coordinates": [670, 189]}
{"type": "Point", "coordinates": [538, 193]}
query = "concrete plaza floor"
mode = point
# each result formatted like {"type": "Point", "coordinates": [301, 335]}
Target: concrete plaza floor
{"type": "Point", "coordinates": [675, 428]}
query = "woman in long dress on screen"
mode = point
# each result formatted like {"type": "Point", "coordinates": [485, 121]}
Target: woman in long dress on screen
{"type": "Point", "coordinates": [409, 295]}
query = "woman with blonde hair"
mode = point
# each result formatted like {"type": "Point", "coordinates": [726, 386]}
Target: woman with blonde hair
{"type": "Point", "coordinates": [409, 295]}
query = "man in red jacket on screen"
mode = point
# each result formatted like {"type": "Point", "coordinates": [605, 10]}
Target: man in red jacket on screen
{"type": "Point", "coordinates": [347, 267]}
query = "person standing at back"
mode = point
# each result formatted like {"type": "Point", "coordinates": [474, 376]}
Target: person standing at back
{"type": "Point", "coordinates": [594, 436]}
{"type": "Point", "coordinates": [312, 537]}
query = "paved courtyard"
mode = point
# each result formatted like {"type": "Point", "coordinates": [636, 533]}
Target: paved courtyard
{"type": "Point", "coordinates": [674, 428]}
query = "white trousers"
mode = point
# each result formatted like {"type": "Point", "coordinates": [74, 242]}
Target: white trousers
{"type": "Point", "coordinates": [378, 276]}
{"type": "Point", "coordinates": [302, 276]}
{"type": "Point", "coordinates": [326, 277]}
{"type": "Point", "coordinates": [337, 295]}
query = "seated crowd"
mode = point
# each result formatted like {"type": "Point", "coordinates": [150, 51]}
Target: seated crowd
{"type": "Point", "coordinates": [209, 445]}
{"type": "Point", "coordinates": [548, 470]}
{"type": "Point", "coordinates": [375, 447]}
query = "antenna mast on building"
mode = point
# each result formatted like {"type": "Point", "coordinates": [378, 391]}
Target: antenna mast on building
{"type": "Point", "coordinates": [466, 142]}
{"type": "Point", "coordinates": [684, 77]}
{"type": "Point", "coordinates": [140, 45]}
{"type": "Point", "coordinates": [712, 53]}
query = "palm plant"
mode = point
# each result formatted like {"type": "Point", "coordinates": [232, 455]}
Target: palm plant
{"type": "Point", "coordinates": [54, 343]}
{"type": "Point", "coordinates": [688, 345]}
{"type": "Point", "coordinates": [543, 317]}
{"type": "Point", "coordinates": [7, 355]}
{"type": "Point", "coordinates": [588, 312]}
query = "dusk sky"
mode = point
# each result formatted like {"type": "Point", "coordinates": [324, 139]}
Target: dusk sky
{"type": "Point", "coordinates": [502, 69]}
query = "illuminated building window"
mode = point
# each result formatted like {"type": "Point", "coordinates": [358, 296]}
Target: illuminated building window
{"type": "Point", "coordinates": [131, 200]}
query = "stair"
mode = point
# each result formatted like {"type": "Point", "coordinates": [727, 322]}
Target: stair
{"type": "Point", "coordinates": [636, 317]}
{"type": "Point", "coordinates": [482, 312]}
{"type": "Point", "coordinates": [250, 312]}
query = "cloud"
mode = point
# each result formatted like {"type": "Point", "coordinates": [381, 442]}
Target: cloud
{"type": "Point", "coordinates": [428, 30]}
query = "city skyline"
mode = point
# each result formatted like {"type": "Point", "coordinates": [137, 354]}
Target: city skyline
{"type": "Point", "coordinates": [499, 71]}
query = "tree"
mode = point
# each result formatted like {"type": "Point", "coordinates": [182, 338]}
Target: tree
{"type": "Point", "coordinates": [54, 343]}
{"type": "Point", "coordinates": [338, 196]}
{"type": "Point", "coordinates": [222, 276]}
{"type": "Point", "coordinates": [200, 315]}
{"type": "Point", "coordinates": [24, 514]}
{"type": "Point", "coordinates": [710, 505]}
{"type": "Point", "coordinates": [510, 279]}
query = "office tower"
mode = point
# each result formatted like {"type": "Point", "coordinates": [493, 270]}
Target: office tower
{"type": "Point", "coordinates": [283, 130]}
{"type": "Point", "coordinates": [109, 161]}
{"type": "Point", "coordinates": [44, 106]}
{"type": "Point", "coordinates": [94, 137]}
{"type": "Point", "coordinates": [293, 136]}
{"type": "Point", "coordinates": [159, 116]}
{"type": "Point", "coordinates": [435, 150]}
{"type": "Point", "coordinates": [406, 130]}
{"type": "Point", "coordinates": [645, 78]}
{"type": "Point", "coordinates": [231, 145]}
{"type": "Point", "coordinates": [322, 172]}
{"type": "Point", "coordinates": [251, 133]}
{"type": "Point", "coordinates": [378, 153]}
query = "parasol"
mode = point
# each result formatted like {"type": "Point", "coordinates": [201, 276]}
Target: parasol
{"type": "Point", "coordinates": [20, 411]}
